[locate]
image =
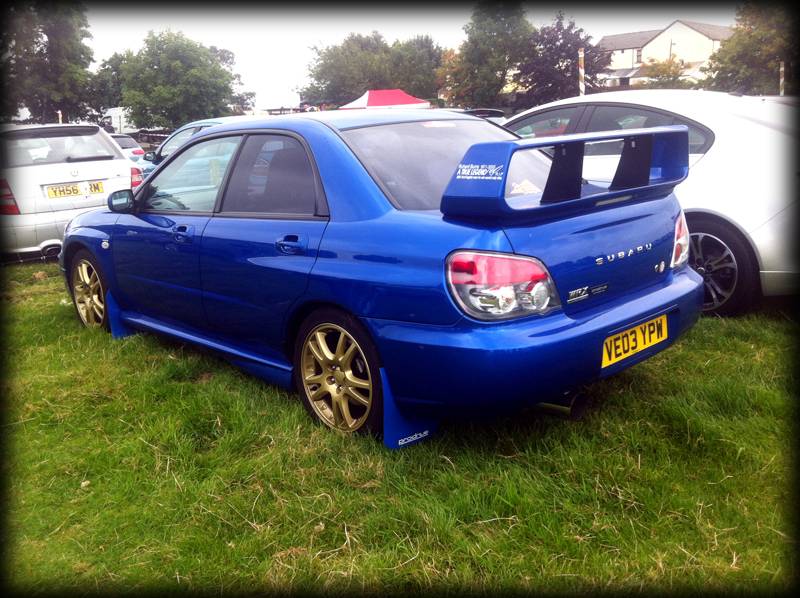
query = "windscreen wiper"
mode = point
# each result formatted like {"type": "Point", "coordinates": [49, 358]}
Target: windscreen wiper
{"type": "Point", "coordinates": [88, 158]}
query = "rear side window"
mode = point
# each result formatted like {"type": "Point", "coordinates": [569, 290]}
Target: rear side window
{"type": "Point", "coordinates": [545, 124]}
{"type": "Point", "coordinates": [174, 142]}
{"type": "Point", "coordinates": [56, 145]}
{"type": "Point", "coordinates": [615, 118]}
{"type": "Point", "coordinates": [273, 175]}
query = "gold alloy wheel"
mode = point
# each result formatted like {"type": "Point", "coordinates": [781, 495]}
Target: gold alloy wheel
{"type": "Point", "coordinates": [337, 382]}
{"type": "Point", "coordinates": [88, 293]}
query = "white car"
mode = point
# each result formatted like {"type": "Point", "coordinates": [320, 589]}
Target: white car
{"type": "Point", "coordinates": [129, 146]}
{"type": "Point", "coordinates": [740, 197]}
{"type": "Point", "coordinates": [50, 174]}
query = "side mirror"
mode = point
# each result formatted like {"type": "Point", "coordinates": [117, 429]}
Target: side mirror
{"type": "Point", "coordinates": [149, 156]}
{"type": "Point", "coordinates": [121, 201]}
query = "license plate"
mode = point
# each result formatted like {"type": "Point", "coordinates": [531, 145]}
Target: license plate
{"type": "Point", "coordinates": [629, 342]}
{"type": "Point", "coordinates": [73, 189]}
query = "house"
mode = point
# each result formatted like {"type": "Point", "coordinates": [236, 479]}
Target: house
{"type": "Point", "coordinates": [689, 41]}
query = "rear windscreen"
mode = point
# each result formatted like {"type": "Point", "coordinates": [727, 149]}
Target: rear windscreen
{"type": "Point", "coordinates": [414, 161]}
{"type": "Point", "coordinates": [54, 146]}
{"type": "Point", "coordinates": [126, 142]}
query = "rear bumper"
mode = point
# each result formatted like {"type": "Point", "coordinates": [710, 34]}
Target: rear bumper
{"type": "Point", "coordinates": [33, 234]}
{"type": "Point", "coordinates": [473, 365]}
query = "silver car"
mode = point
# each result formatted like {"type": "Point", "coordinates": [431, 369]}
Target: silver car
{"type": "Point", "coordinates": [741, 196]}
{"type": "Point", "coordinates": [50, 174]}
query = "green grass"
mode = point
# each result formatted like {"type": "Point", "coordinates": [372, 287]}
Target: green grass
{"type": "Point", "coordinates": [145, 464]}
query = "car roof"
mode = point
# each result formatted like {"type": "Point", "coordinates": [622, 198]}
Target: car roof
{"type": "Point", "coordinates": [351, 119]}
{"type": "Point", "coordinates": [698, 104]}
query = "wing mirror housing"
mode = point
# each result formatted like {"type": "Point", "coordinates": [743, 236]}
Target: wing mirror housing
{"type": "Point", "coordinates": [149, 156]}
{"type": "Point", "coordinates": [121, 201]}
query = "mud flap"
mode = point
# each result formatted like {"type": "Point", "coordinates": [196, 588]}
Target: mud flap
{"type": "Point", "coordinates": [401, 428]}
{"type": "Point", "coordinates": [118, 328]}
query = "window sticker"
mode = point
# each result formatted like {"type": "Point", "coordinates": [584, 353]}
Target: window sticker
{"type": "Point", "coordinates": [481, 172]}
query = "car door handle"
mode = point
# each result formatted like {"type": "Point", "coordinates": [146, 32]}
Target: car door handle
{"type": "Point", "coordinates": [183, 233]}
{"type": "Point", "coordinates": [291, 244]}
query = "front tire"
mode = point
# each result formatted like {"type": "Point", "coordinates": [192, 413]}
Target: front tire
{"type": "Point", "coordinates": [337, 372]}
{"type": "Point", "coordinates": [88, 289]}
{"type": "Point", "coordinates": [720, 254]}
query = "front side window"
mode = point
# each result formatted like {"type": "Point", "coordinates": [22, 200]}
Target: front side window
{"type": "Point", "coordinates": [273, 175]}
{"type": "Point", "coordinates": [191, 182]}
{"type": "Point", "coordinates": [414, 161]}
{"type": "Point", "coordinates": [545, 124]}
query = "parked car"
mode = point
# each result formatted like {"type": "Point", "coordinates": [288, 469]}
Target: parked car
{"type": "Point", "coordinates": [179, 137]}
{"type": "Point", "coordinates": [433, 258]}
{"type": "Point", "coordinates": [129, 146]}
{"type": "Point", "coordinates": [51, 173]}
{"type": "Point", "coordinates": [492, 114]}
{"type": "Point", "coordinates": [743, 182]}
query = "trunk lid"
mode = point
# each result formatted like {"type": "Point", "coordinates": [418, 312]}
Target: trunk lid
{"type": "Point", "coordinates": [598, 240]}
{"type": "Point", "coordinates": [598, 256]}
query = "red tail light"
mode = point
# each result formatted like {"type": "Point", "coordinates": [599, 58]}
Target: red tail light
{"type": "Point", "coordinates": [138, 152]}
{"type": "Point", "coordinates": [136, 177]}
{"type": "Point", "coordinates": [8, 205]}
{"type": "Point", "coordinates": [680, 249]}
{"type": "Point", "coordinates": [496, 286]}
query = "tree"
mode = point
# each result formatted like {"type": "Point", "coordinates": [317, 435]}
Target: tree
{"type": "Point", "coordinates": [498, 37]}
{"type": "Point", "coordinates": [45, 62]}
{"type": "Point", "coordinates": [549, 70]}
{"type": "Point", "coordinates": [105, 86]}
{"type": "Point", "coordinates": [749, 60]}
{"type": "Point", "coordinates": [174, 79]}
{"type": "Point", "coordinates": [341, 73]}
{"type": "Point", "coordinates": [665, 74]}
{"type": "Point", "coordinates": [413, 66]}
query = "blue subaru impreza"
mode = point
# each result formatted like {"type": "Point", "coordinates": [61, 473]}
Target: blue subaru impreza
{"type": "Point", "coordinates": [393, 266]}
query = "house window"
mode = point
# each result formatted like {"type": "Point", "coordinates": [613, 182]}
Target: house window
{"type": "Point", "coordinates": [638, 54]}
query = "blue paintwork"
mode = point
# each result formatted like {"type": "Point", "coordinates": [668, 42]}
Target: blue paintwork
{"type": "Point", "coordinates": [225, 282]}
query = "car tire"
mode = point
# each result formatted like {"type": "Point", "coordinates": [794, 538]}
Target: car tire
{"type": "Point", "coordinates": [722, 256]}
{"type": "Point", "coordinates": [337, 372]}
{"type": "Point", "coordinates": [87, 286]}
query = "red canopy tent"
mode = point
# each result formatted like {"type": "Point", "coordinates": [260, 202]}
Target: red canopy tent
{"type": "Point", "coordinates": [386, 98]}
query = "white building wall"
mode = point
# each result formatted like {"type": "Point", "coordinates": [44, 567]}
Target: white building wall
{"type": "Point", "coordinates": [688, 45]}
{"type": "Point", "coordinates": [623, 59]}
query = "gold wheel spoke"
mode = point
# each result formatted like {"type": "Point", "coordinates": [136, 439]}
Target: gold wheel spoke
{"type": "Point", "coordinates": [314, 378]}
{"type": "Point", "coordinates": [346, 359]}
{"type": "Point", "coordinates": [318, 394]}
{"type": "Point", "coordinates": [357, 398]}
{"type": "Point", "coordinates": [340, 344]}
{"type": "Point", "coordinates": [356, 382]}
{"type": "Point", "coordinates": [344, 410]}
{"type": "Point", "coordinates": [322, 344]}
{"type": "Point", "coordinates": [83, 272]}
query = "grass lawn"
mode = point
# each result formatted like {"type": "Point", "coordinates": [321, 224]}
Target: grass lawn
{"type": "Point", "coordinates": [145, 464]}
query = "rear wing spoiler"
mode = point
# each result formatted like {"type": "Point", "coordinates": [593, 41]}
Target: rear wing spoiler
{"type": "Point", "coordinates": [652, 162]}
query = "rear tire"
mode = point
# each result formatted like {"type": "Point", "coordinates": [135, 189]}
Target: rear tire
{"type": "Point", "coordinates": [722, 256]}
{"type": "Point", "coordinates": [88, 287]}
{"type": "Point", "coordinates": [337, 372]}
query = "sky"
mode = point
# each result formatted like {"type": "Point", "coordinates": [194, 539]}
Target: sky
{"type": "Point", "coordinates": [273, 46]}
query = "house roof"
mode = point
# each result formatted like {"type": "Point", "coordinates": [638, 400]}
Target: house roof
{"type": "Point", "coordinates": [638, 39]}
{"type": "Point", "coordinates": [626, 41]}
